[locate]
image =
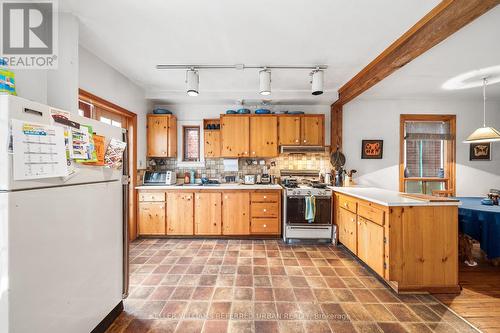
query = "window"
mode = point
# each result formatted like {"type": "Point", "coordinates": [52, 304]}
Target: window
{"type": "Point", "coordinates": [427, 148]}
{"type": "Point", "coordinates": [85, 109]}
{"type": "Point", "coordinates": [191, 143]}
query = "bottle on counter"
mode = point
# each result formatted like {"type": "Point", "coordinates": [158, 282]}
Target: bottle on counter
{"type": "Point", "coordinates": [186, 178]}
{"type": "Point", "coordinates": [192, 177]}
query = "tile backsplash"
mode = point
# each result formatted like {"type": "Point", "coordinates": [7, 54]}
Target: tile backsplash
{"type": "Point", "coordinates": [214, 168]}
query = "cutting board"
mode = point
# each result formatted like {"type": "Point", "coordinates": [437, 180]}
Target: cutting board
{"type": "Point", "coordinates": [429, 198]}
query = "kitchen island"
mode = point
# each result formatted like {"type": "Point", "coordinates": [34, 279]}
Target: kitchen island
{"type": "Point", "coordinates": [411, 243]}
{"type": "Point", "coordinates": [225, 210]}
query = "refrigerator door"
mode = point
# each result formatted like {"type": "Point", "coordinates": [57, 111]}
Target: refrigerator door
{"type": "Point", "coordinates": [12, 107]}
{"type": "Point", "coordinates": [61, 265]}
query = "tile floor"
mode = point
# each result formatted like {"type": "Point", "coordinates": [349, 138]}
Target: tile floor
{"type": "Point", "coordinates": [266, 286]}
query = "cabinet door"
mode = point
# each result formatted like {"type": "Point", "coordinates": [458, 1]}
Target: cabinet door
{"type": "Point", "coordinates": [212, 143]}
{"type": "Point", "coordinates": [236, 213]}
{"type": "Point", "coordinates": [312, 130]}
{"type": "Point", "coordinates": [157, 136]}
{"type": "Point", "coordinates": [263, 136]}
{"type": "Point", "coordinates": [180, 213]}
{"type": "Point", "coordinates": [152, 218]}
{"type": "Point", "coordinates": [347, 232]}
{"type": "Point", "coordinates": [371, 244]}
{"type": "Point", "coordinates": [289, 131]}
{"type": "Point", "coordinates": [172, 136]}
{"type": "Point", "coordinates": [207, 214]}
{"type": "Point", "coordinates": [235, 136]}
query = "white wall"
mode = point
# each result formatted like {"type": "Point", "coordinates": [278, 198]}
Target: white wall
{"type": "Point", "coordinates": [379, 119]}
{"type": "Point", "coordinates": [100, 79]}
{"type": "Point", "coordinates": [193, 112]}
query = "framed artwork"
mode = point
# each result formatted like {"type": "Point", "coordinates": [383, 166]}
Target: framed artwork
{"type": "Point", "coordinates": [372, 149]}
{"type": "Point", "coordinates": [480, 151]}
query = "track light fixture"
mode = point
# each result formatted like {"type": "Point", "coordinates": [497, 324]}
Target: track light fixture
{"type": "Point", "coordinates": [192, 82]}
{"type": "Point", "coordinates": [317, 78]}
{"type": "Point", "coordinates": [265, 82]}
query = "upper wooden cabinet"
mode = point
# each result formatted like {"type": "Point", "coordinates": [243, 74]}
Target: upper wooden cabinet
{"type": "Point", "coordinates": [235, 136]}
{"type": "Point", "coordinates": [303, 130]}
{"type": "Point", "coordinates": [180, 213]}
{"type": "Point", "coordinates": [263, 136]}
{"type": "Point", "coordinates": [236, 213]}
{"type": "Point", "coordinates": [212, 143]}
{"type": "Point", "coordinates": [162, 135]}
{"type": "Point", "coordinates": [289, 131]}
{"type": "Point", "coordinates": [312, 130]}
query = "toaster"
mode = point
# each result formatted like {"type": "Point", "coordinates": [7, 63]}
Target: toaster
{"type": "Point", "coordinates": [159, 178]}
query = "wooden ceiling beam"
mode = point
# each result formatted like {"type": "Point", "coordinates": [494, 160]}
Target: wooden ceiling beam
{"type": "Point", "coordinates": [442, 21]}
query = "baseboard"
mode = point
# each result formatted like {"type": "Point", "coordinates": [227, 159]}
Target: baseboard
{"type": "Point", "coordinates": [109, 319]}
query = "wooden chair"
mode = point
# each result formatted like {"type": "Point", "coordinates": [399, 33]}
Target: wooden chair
{"type": "Point", "coordinates": [442, 193]}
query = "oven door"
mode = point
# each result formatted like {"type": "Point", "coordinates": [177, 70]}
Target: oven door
{"type": "Point", "coordinates": [296, 210]}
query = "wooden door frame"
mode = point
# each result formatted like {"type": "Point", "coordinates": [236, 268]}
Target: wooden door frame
{"type": "Point", "coordinates": [451, 158]}
{"type": "Point", "coordinates": [132, 136]}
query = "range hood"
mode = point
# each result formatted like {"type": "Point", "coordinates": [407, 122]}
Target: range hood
{"type": "Point", "coordinates": [303, 149]}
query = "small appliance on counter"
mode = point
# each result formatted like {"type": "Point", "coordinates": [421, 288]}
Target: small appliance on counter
{"type": "Point", "coordinates": [249, 180]}
{"type": "Point", "coordinates": [265, 178]}
{"type": "Point", "coordinates": [159, 178]}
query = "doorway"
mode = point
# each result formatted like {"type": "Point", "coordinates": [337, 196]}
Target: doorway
{"type": "Point", "coordinates": [92, 106]}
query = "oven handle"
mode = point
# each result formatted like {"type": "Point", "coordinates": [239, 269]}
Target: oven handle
{"type": "Point", "coordinates": [303, 196]}
{"type": "Point", "coordinates": [309, 228]}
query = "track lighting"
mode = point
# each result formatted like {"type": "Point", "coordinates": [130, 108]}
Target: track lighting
{"type": "Point", "coordinates": [192, 82]}
{"type": "Point", "coordinates": [317, 81]}
{"type": "Point", "coordinates": [265, 82]}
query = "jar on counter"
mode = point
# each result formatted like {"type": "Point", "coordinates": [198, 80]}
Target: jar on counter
{"type": "Point", "coordinates": [187, 178]}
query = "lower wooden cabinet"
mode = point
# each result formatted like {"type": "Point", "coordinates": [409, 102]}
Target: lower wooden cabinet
{"type": "Point", "coordinates": [152, 218]}
{"type": "Point", "coordinates": [371, 244]}
{"type": "Point", "coordinates": [236, 213]}
{"type": "Point", "coordinates": [265, 226]}
{"type": "Point", "coordinates": [180, 213]}
{"type": "Point", "coordinates": [208, 214]}
{"type": "Point", "coordinates": [347, 229]}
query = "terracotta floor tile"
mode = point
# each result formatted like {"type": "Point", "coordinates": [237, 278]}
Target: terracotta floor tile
{"type": "Point", "coordinates": [334, 282]}
{"type": "Point", "coordinates": [364, 296]}
{"type": "Point", "coordinates": [279, 281]}
{"type": "Point", "coordinates": [173, 310]}
{"type": "Point", "coordinates": [197, 310]}
{"type": "Point", "coordinates": [264, 311]}
{"type": "Point", "coordinates": [291, 326]}
{"type": "Point", "coordinates": [317, 326]}
{"type": "Point", "coordinates": [385, 296]}
{"type": "Point", "coordinates": [324, 295]}
{"type": "Point", "coordinates": [356, 312]}
{"type": "Point", "coordinates": [261, 281]}
{"type": "Point", "coordinates": [244, 270]}
{"type": "Point", "coordinates": [417, 328]}
{"type": "Point", "coordinates": [367, 328]}
{"type": "Point", "coordinates": [223, 293]}
{"type": "Point", "coordinates": [316, 282]}
{"type": "Point", "coordinates": [171, 280]}
{"type": "Point", "coordinates": [379, 312]}
{"type": "Point", "coordinates": [215, 326]}
{"type": "Point", "coordinates": [392, 328]}
{"type": "Point", "coordinates": [344, 295]}
{"type": "Point", "coordinates": [310, 311]}
{"type": "Point", "coordinates": [264, 294]}
{"type": "Point", "coordinates": [241, 310]}
{"type": "Point", "coordinates": [243, 293]}
{"type": "Point", "coordinates": [402, 312]}
{"type": "Point", "coordinates": [202, 293]}
{"type": "Point", "coordinates": [151, 309]}
{"type": "Point", "coordinates": [298, 282]}
{"type": "Point", "coordinates": [208, 280]}
{"type": "Point", "coordinates": [288, 311]}
{"type": "Point", "coordinates": [266, 326]}
{"type": "Point", "coordinates": [304, 294]}
{"type": "Point", "coordinates": [241, 326]}
{"type": "Point", "coordinates": [220, 311]}
{"type": "Point", "coordinates": [142, 292]}
{"type": "Point", "coordinates": [182, 293]}
{"type": "Point", "coordinates": [424, 312]}
{"type": "Point", "coordinates": [284, 294]}
{"type": "Point", "coordinates": [189, 326]}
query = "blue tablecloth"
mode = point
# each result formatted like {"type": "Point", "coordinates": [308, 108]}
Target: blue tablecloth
{"type": "Point", "coordinates": [482, 223]}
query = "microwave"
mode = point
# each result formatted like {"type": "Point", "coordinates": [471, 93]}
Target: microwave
{"type": "Point", "coordinates": [159, 178]}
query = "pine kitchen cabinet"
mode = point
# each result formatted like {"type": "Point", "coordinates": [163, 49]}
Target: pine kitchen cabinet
{"type": "Point", "coordinates": [301, 130]}
{"type": "Point", "coordinates": [161, 135]}
{"type": "Point", "coordinates": [235, 136]}
{"type": "Point", "coordinates": [411, 243]}
{"type": "Point", "coordinates": [151, 213]}
{"type": "Point", "coordinates": [208, 213]}
{"type": "Point", "coordinates": [180, 213]}
{"type": "Point", "coordinates": [263, 136]}
{"type": "Point", "coordinates": [212, 144]}
{"type": "Point", "coordinates": [236, 213]}
{"type": "Point", "coordinates": [289, 130]}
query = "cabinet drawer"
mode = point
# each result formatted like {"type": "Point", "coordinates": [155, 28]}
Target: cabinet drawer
{"type": "Point", "coordinates": [347, 203]}
{"type": "Point", "coordinates": [371, 213]}
{"type": "Point", "coordinates": [264, 197]}
{"type": "Point", "coordinates": [152, 196]}
{"type": "Point", "coordinates": [264, 209]}
{"type": "Point", "coordinates": [265, 226]}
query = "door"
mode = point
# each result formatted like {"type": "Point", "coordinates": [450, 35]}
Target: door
{"type": "Point", "coordinates": [347, 232]}
{"type": "Point", "coordinates": [157, 136]}
{"type": "Point", "coordinates": [152, 218]}
{"type": "Point", "coordinates": [289, 131]}
{"type": "Point", "coordinates": [235, 136]}
{"type": "Point", "coordinates": [208, 214]}
{"type": "Point", "coordinates": [180, 213]}
{"type": "Point", "coordinates": [312, 130]}
{"type": "Point", "coordinates": [263, 136]}
{"type": "Point", "coordinates": [371, 244]}
{"type": "Point", "coordinates": [212, 143]}
{"type": "Point", "coordinates": [236, 213]}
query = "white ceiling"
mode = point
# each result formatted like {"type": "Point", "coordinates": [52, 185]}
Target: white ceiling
{"type": "Point", "coordinates": [134, 36]}
{"type": "Point", "coordinates": [473, 47]}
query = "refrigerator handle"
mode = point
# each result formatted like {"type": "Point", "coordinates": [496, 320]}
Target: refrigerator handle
{"type": "Point", "coordinates": [125, 214]}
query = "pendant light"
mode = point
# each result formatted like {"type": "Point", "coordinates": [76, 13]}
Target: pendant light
{"type": "Point", "coordinates": [484, 134]}
{"type": "Point", "coordinates": [192, 82]}
{"type": "Point", "coordinates": [265, 82]}
{"type": "Point", "coordinates": [317, 77]}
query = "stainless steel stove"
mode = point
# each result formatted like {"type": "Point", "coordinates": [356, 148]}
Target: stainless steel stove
{"type": "Point", "coordinates": [298, 185]}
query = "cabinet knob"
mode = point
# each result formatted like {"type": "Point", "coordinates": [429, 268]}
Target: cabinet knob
{"type": "Point", "coordinates": [246, 152]}
{"type": "Point", "coordinates": [305, 140]}
{"type": "Point", "coordinates": [297, 140]}
{"type": "Point", "coordinates": [253, 153]}
{"type": "Point", "coordinates": [346, 205]}
{"type": "Point", "coordinates": [265, 225]}
{"type": "Point", "coordinates": [265, 197]}
{"type": "Point", "coordinates": [264, 210]}
{"type": "Point", "coordinates": [215, 224]}
{"type": "Point", "coordinates": [352, 219]}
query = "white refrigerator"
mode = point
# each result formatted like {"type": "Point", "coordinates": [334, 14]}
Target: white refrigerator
{"type": "Point", "coordinates": [61, 239]}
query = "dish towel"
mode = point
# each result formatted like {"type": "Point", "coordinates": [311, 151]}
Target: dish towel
{"type": "Point", "coordinates": [310, 208]}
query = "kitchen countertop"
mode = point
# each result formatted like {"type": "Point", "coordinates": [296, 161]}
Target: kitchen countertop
{"type": "Point", "coordinates": [386, 197]}
{"type": "Point", "coordinates": [211, 188]}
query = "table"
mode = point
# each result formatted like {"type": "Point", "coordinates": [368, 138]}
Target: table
{"type": "Point", "coordinates": [482, 223]}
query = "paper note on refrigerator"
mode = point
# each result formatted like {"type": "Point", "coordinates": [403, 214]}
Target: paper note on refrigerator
{"type": "Point", "coordinates": [80, 144]}
{"type": "Point", "coordinates": [39, 151]}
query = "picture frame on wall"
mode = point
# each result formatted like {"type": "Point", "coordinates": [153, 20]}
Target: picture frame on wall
{"type": "Point", "coordinates": [480, 151]}
{"type": "Point", "coordinates": [372, 149]}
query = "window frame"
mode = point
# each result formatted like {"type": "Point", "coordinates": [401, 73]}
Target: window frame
{"type": "Point", "coordinates": [450, 150]}
{"type": "Point", "coordinates": [184, 141]}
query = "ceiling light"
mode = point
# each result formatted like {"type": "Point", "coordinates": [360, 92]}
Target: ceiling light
{"type": "Point", "coordinates": [473, 78]}
{"type": "Point", "coordinates": [265, 82]}
{"type": "Point", "coordinates": [317, 81]}
{"type": "Point", "coordinates": [484, 134]}
{"type": "Point", "coordinates": [192, 82]}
